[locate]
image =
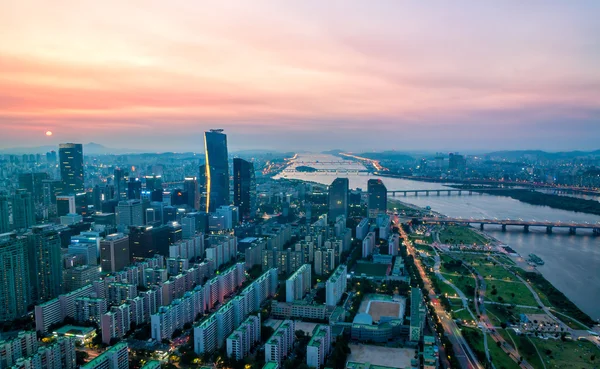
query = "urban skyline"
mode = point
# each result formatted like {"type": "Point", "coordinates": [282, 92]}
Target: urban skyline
{"type": "Point", "coordinates": [299, 185]}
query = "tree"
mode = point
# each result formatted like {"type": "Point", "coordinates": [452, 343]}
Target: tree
{"type": "Point", "coordinates": [265, 333]}
{"type": "Point", "coordinates": [81, 357]}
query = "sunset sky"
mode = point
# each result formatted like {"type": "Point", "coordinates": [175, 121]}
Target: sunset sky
{"type": "Point", "coordinates": [314, 75]}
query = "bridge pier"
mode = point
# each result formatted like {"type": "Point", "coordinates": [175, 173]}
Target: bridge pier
{"type": "Point", "coordinates": [596, 231]}
{"type": "Point", "coordinates": [404, 193]}
{"type": "Point", "coordinates": [449, 192]}
{"type": "Point", "coordinates": [549, 229]}
{"type": "Point", "coordinates": [503, 227]}
{"type": "Point", "coordinates": [459, 193]}
{"type": "Point", "coordinates": [572, 230]}
{"type": "Point", "coordinates": [470, 192]}
{"type": "Point", "coordinates": [426, 193]}
{"type": "Point", "coordinates": [526, 229]}
{"type": "Point", "coordinates": [416, 193]}
{"type": "Point", "coordinates": [481, 226]}
{"type": "Point", "coordinates": [438, 193]}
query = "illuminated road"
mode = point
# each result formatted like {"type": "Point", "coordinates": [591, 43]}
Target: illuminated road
{"type": "Point", "coordinates": [462, 351]}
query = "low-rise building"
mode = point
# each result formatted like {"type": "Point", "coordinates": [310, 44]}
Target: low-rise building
{"type": "Point", "coordinates": [299, 309]}
{"type": "Point", "coordinates": [116, 357]}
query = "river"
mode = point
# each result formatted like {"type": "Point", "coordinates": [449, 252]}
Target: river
{"type": "Point", "coordinates": [571, 262]}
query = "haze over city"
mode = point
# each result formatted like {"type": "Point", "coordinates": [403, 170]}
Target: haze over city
{"type": "Point", "coordinates": [154, 75]}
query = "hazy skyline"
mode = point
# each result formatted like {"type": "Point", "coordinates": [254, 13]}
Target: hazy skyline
{"type": "Point", "coordinates": [301, 75]}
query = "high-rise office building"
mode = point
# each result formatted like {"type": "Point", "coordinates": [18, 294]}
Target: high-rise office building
{"type": "Point", "coordinates": [4, 214]}
{"type": "Point", "coordinates": [71, 167]}
{"type": "Point", "coordinates": [114, 252]}
{"type": "Point", "coordinates": [130, 213]}
{"type": "Point", "coordinates": [456, 162]}
{"type": "Point", "coordinates": [244, 187]}
{"type": "Point", "coordinates": [134, 189]}
{"type": "Point", "coordinates": [23, 210]}
{"type": "Point", "coordinates": [190, 185]}
{"type": "Point", "coordinates": [217, 169]}
{"type": "Point", "coordinates": [147, 241]}
{"type": "Point", "coordinates": [338, 198]}
{"type": "Point", "coordinates": [14, 277]}
{"type": "Point", "coordinates": [377, 197]}
{"type": "Point", "coordinates": [65, 205]}
{"type": "Point", "coordinates": [45, 266]}
{"type": "Point", "coordinates": [32, 182]}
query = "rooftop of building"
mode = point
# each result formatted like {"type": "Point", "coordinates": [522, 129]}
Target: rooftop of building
{"type": "Point", "coordinates": [302, 269]}
{"type": "Point", "coordinates": [341, 269]}
{"type": "Point", "coordinates": [319, 334]}
{"type": "Point", "coordinates": [355, 365]}
{"type": "Point", "coordinates": [363, 318]}
{"type": "Point", "coordinates": [270, 365]}
{"type": "Point", "coordinates": [100, 358]}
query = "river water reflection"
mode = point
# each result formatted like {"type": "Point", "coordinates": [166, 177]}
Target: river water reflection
{"type": "Point", "coordinates": [572, 263]}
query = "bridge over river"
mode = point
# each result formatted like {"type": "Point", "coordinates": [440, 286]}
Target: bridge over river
{"type": "Point", "coordinates": [445, 191]}
{"type": "Point", "coordinates": [512, 222]}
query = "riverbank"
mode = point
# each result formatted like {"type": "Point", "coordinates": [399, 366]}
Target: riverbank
{"type": "Point", "coordinates": [562, 202]}
{"type": "Point", "coordinates": [553, 295]}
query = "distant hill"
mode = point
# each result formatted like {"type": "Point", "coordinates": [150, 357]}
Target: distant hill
{"type": "Point", "coordinates": [387, 155]}
{"type": "Point", "coordinates": [540, 154]}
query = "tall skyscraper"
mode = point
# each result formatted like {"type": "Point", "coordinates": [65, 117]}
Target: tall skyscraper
{"type": "Point", "coordinates": [190, 185]}
{"type": "Point", "coordinates": [217, 169]}
{"type": "Point", "coordinates": [377, 197]}
{"type": "Point", "coordinates": [71, 167]}
{"type": "Point", "coordinates": [23, 210]}
{"type": "Point", "coordinates": [114, 253]}
{"type": "Point", "coordinates": [338, 198]}
{"type": "Point", "coordinates": [14, 277]}
{"type": "Point", "coordinates": [45, 267]}
{"type": "Point", "coordinates": [134, 189]}
{"type": "Point", "coordinates": [32, 182]}
{"type": "Point", "coordinates": [244, 187]}
{"type": "Point", "coordinates": [4, 214]}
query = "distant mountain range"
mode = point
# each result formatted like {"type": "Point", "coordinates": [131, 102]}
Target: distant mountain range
{"type": "Point", "coordinates": [91, 148]}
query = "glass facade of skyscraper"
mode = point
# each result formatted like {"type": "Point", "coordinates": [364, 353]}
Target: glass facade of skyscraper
{"type": "Point", "coordinates": [217, 169]}
{"type": "Point", "coordinates": [244, 187]}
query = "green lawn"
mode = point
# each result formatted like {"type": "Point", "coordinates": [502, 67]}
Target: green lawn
{"type": "Point", "coordinates": [489, 270]}
{"type": "Point", "coordinates": [526, 349]}
{"type": "Point", "coordinates": [500, 313]}
{"type": "Point", "coordinates": [425, 239]}
{"type": "Point", "coordinates": [500, 358]}
{"type": "Point", "coordinates": [423, 248]}
{"type": "Point", "coordinates": [568, 354]}
{"type": "Point", "coordinates": [465, 283]}
{"type": "Point", "coordinates": [454, 235]}
{"type": "Point", "coordinates": [474, 338]}
{"type": "Point", "coordinates": [462, 314]}
{"type": "Point", "coordinates": [510, 292]}
{"type": "Point", "coordinates": [371, 269]}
